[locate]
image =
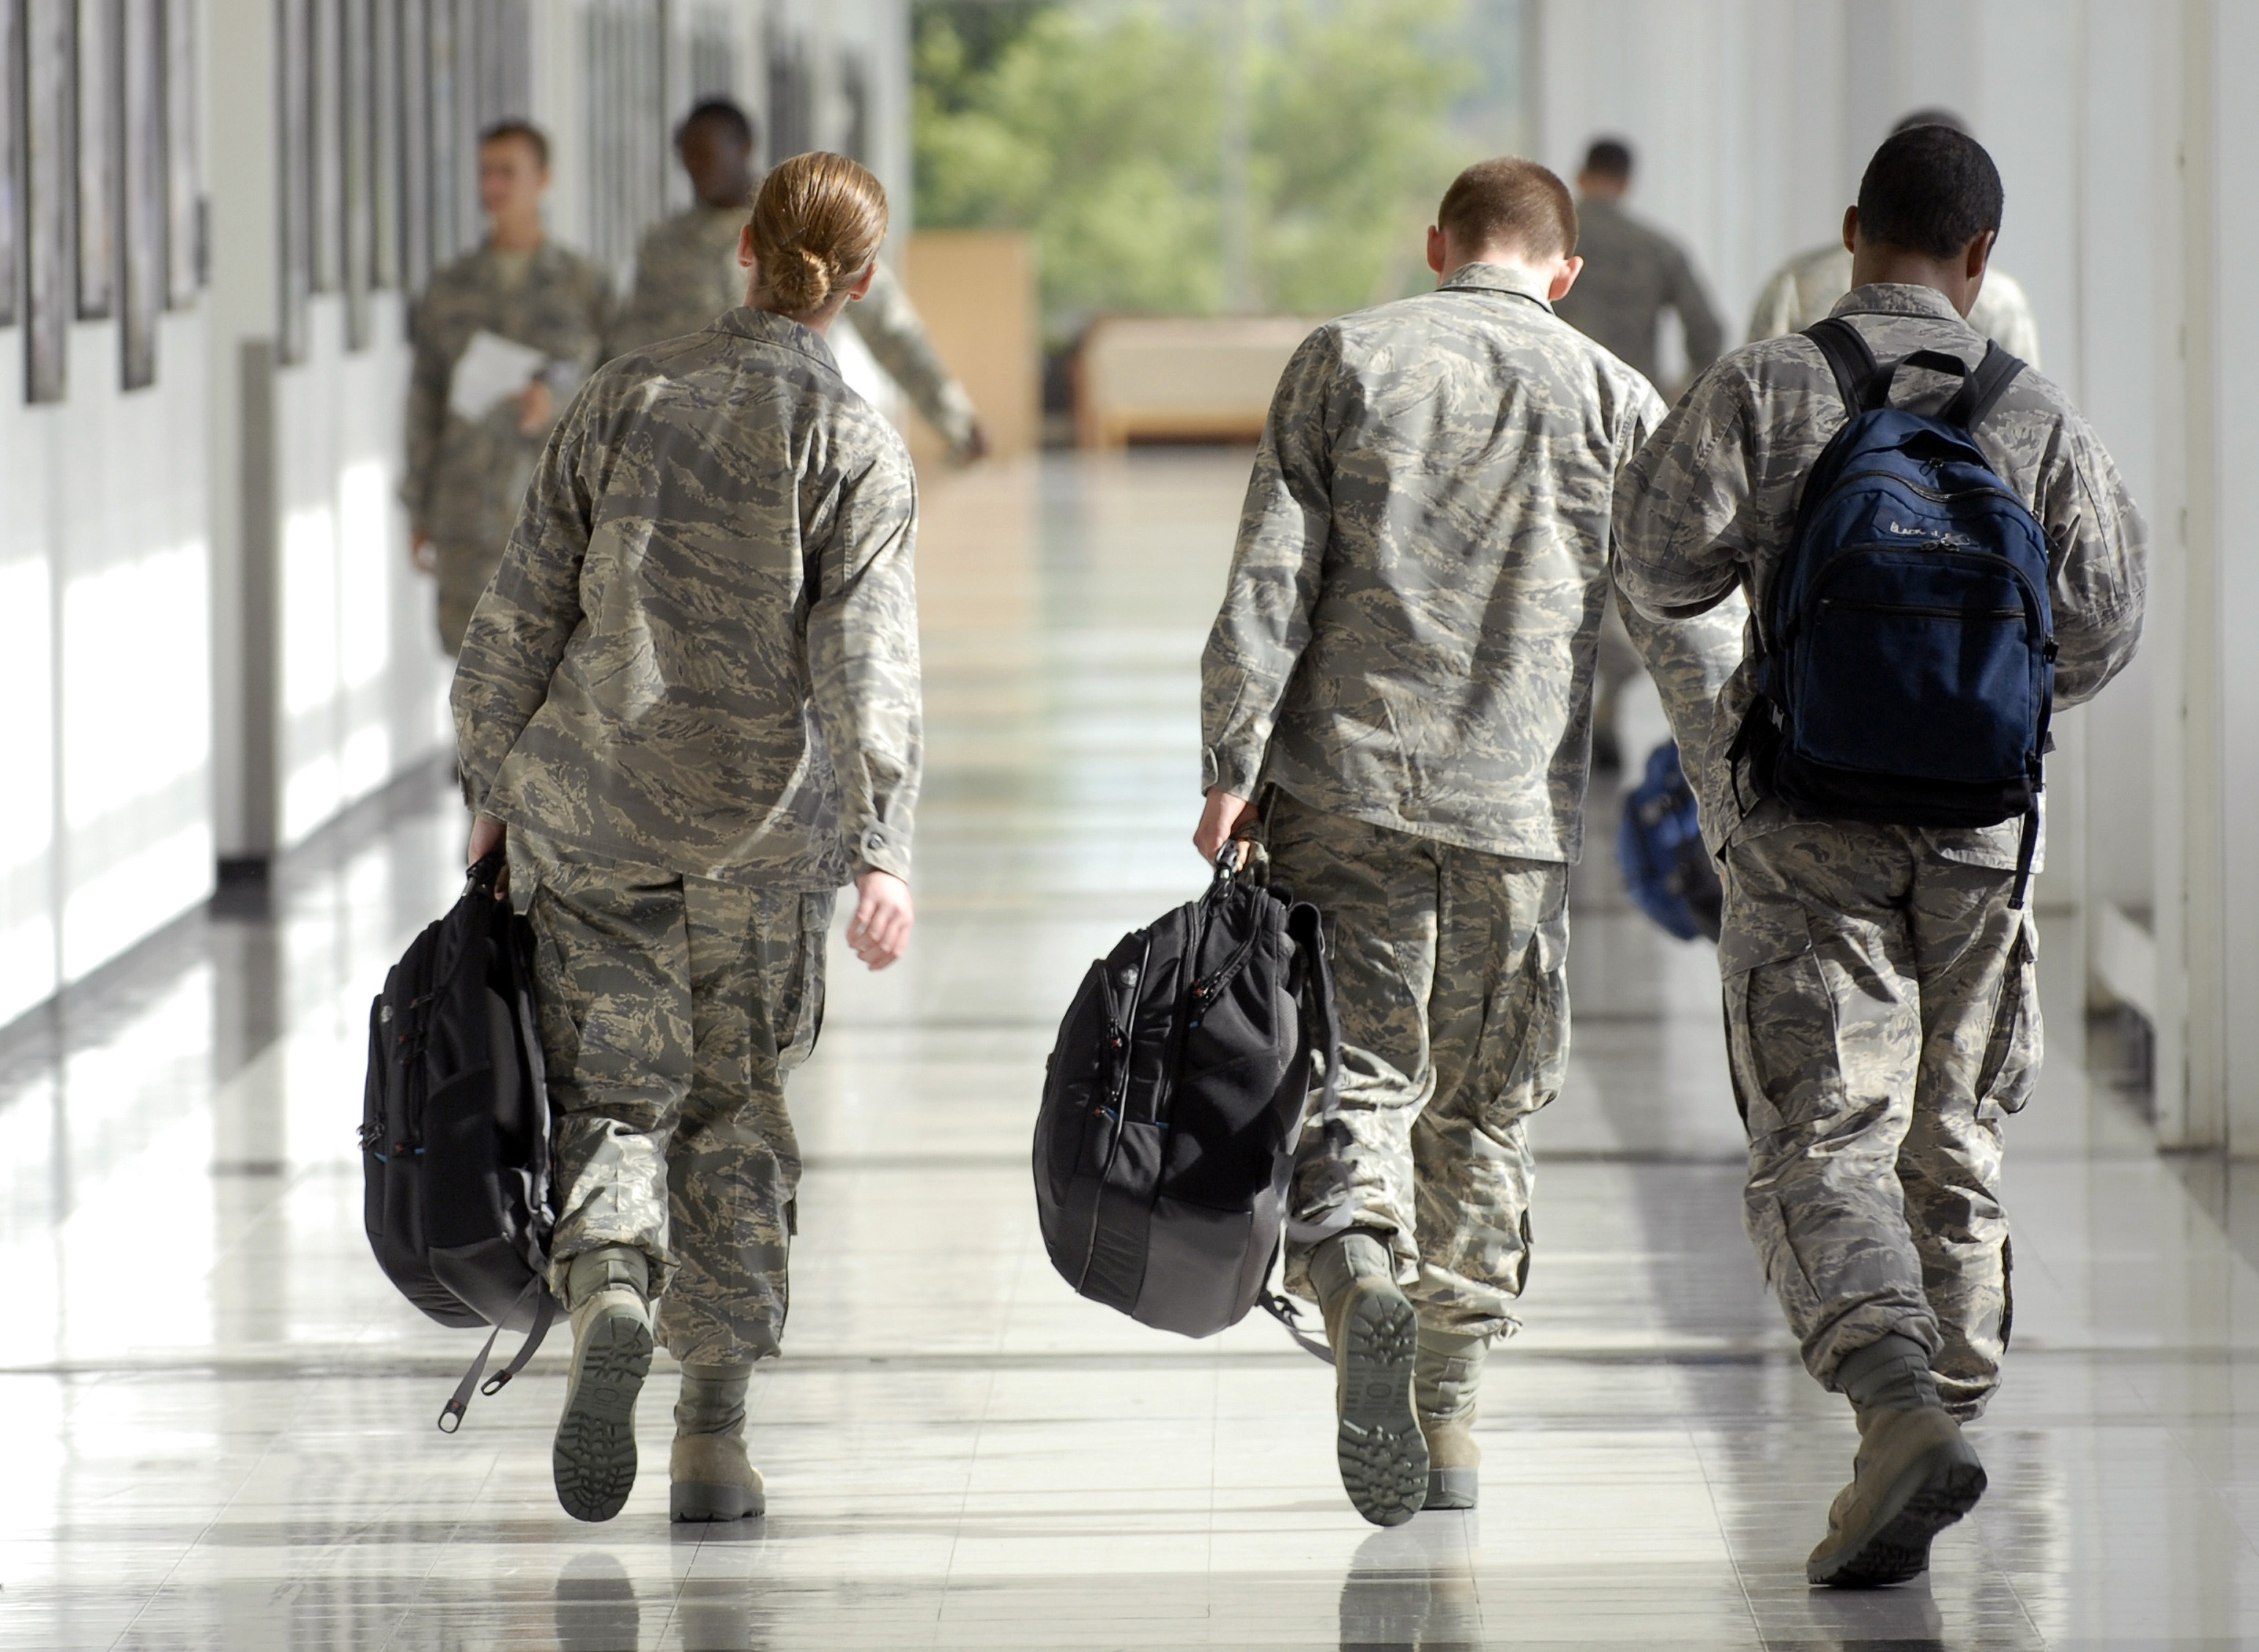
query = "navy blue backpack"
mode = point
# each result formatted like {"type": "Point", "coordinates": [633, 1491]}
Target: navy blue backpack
{"type": "Point", "coordinates": [1666, 870]}
{"type": "Point", "coordinates": [1907, 663]}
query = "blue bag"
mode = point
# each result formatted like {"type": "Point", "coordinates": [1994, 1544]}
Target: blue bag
{"type": "Point", "coordinates": [1666, 870]}
{"type": "Point", "coordinates": [1906, 667]}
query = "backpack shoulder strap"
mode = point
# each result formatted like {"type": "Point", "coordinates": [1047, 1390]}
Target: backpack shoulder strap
{"type": "Point", "coordinates": [1982, 388]}
{"type": "Point", "coordinates": [1848, 358]}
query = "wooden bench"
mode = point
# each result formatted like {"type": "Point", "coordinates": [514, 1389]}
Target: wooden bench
{"type": "Point", "coordinates": [1180, 378]}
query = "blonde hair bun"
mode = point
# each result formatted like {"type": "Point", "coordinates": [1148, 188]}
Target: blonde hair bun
{"type": "Point", "coordinates": [817, 227]}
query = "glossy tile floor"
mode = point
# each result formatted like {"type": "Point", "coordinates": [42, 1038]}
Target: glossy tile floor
{"type": "Point", "coordinates": [219, 1415]}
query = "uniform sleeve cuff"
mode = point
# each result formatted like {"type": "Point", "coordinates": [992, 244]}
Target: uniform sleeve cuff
{"type": "Point", "coordinates": [1219, 771]}
{"type": "Point", "coordinates": [881, 849]}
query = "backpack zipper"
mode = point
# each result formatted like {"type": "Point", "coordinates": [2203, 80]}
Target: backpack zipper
{"type": "Point", "coordinates": [1937, 495]}
{"type": "Point", "coordinates": [1921, 611]}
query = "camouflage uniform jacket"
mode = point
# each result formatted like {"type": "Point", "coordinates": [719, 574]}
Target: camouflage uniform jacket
{"type": "Point", "coordinates": [687, 274]}
{"type": "Point", "coordinates": [1810, 285]}
{"type": "Point", "coordinates": [465, 479]}
{"type": "Point", "coordinates": [1410, 631]}
{"type": "Point", "coordinates": [1633, 273]}
{"type": "Point", "coordinates": [1710, 503]}
{"type": "Point", "coordinates": [700, 651]}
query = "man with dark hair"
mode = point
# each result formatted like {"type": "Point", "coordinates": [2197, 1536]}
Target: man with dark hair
{"type": "Point", "coordinates": [1806, 287]}
{"type": "Point", "coordinates": [1397, 696]}
{"type": "Point", "coordinates": [1881, 1012]}
{"type": "Point", "coordinates": [1633, 273]}
{"type": "Point", "coordinates": [502, 337]}
{"type": "Point", "coordinates": [687, 274]}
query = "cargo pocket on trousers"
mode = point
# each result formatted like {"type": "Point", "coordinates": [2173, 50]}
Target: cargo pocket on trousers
{"type": "Point", "coordinates": [800, 1020]}
{"type": "Point", "coordinates": [2011, 1067]}
{"type": "Point", "coordinates": [1784, 1269]}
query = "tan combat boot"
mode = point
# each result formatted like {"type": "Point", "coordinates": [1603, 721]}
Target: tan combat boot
{"type": "Point", "coordinates": [712, 1477]}
{"type": "Point", "coordinates": [1445, 1382]}
{"type": "Point", "coordinates": [1914, 1475]}
{"type": "Point", "coordinates": [1375, 1337]}
{"type": "Point", "coordinates": [594, 1458]}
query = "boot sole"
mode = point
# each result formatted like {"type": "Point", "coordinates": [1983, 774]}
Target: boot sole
{"type": "Point", "coordinates": [1932, 1494]}
{"type": "Point", "coordinates": [594, 1459]}
{"type": "Point", "coordinates": [692, 1501]}
{"type": "Point", "coordinates": [1382, 1453]}
{"type": "Point", "coordinates": [1451, 1488]}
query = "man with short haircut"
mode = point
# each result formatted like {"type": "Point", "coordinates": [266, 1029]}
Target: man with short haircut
{"type": "Point", "coordinates": [1882, 1016]}
{"type": "Point", "coordinates": [1397, 695]}
{"type": "Point", "coordinates": [1806, 289]}
{"type": "Point", "coordinates": [1633, 273]}
{"type": "Point", "coordinates": [687, 274]}
{"type": "Point", "coordinates": [471, 451]}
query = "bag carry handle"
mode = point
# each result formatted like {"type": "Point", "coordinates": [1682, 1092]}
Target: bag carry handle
{"type": "Point", "coordinates": [1865, 383]}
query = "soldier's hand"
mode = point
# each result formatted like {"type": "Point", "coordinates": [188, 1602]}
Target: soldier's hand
{"type": "Point", "coordinates": [880, 930]}
{"type": "Point", "coordinates": [423, 552]}
{"type": "Point", "coordinates": [536, 407]}
{"type": "Point", "coordinates": [486, 836]}
{"type": "Point", "coordinates": [1224, 818]}
{"type": "Point", "coordinates": [976, 447]}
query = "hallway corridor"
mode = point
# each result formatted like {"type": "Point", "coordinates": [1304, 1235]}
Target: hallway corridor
{"type": "Point", "coordinates": [220, 1413]}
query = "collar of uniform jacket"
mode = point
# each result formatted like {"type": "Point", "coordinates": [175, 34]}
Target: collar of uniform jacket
{"type": "Point", "coordinates": [768, 327]}
{"type": "Point", "coordinates": [1897, 298]}
{"type": "Point", "coordinates": [1498, 278]}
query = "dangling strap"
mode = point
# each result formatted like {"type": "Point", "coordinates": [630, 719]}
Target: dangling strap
{"type": "Point", "coordinates": [1276, 1304]}
{"type": "Point", "coordinates": [2024, 852]}
{"type": "Point", "coordinates": [1309, 934]}
{"type": "Point", "coordinates": [545, 1314]}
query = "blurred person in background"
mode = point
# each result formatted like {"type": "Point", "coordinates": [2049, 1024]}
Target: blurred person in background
{"type": "Point", "coordinates": [689, 706]}
{"type": "Point", "coordinates": [528, 317]}
{"type": "Point", "coordinates": [687, 274]}
{"type": "Point", "coordinates": [1808, 287]}
{"type": "Point", "coordinates": [1633, 273]}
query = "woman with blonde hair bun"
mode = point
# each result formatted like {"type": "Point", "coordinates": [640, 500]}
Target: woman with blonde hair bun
{"type": "Point", "coordinates": [688, 708]}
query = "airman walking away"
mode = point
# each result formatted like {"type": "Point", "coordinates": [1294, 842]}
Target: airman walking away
{"type": "Point", "coordinates": [1881, 1005]}
{"type": "Point", "coordinates": [1397, 693]}
{"type": "Point", "coordinates": [689, 701]}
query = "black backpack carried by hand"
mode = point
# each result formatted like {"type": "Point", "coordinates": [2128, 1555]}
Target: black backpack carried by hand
{"type": "Point", "coordinates": [455, 1131]}
{"type": "Point", "coordinates": [1173, 1104]}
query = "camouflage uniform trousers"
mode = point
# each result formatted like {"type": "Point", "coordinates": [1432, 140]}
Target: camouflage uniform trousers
{"type": "Point", "coordinates": [1881, 1015]}
{"type": "Point", "coordinates": [672, 1008]}
{"type": "Point", "coordinates": [1450, 979]}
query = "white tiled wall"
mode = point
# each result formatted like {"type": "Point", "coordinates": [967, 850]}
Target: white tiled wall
{"type": "Point", "coordinates": [361, 682]}
{"type": "Point", "coordinates": [105, 704]}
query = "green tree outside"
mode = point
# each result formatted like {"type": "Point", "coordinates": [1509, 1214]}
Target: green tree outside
{"type": "Point", "coordinates": [1101, 129]}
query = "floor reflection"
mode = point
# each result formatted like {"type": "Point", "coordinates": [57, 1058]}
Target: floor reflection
{"type": "Point", "coordinates": [223, 1413]}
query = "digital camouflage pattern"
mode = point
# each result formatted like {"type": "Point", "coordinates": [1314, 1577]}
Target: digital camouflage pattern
{"type": "Point", "coordinates": [1410, 632]}
{"type": "Point", "coordinates": [1707, 507]}
{"type": "Point", "coordinates": [700, 651]}
{"type": "Point", "coordinates": [687, 274]}
{"type": "Point", "coordinates": [1633, 273]}
{"type": "Point", "coordinates": [1809, 286]}
{"type": "Point", "coordinates": [1880, 1004]}
{"type": "Point", "coordinates": [1451, 981]}
{"type": "Point", "coordinates": [1882, 1015]}
{"type": "Point", "coordinates": [464, 478]}
{"type": "Point", "coordinates": [672, 1008]}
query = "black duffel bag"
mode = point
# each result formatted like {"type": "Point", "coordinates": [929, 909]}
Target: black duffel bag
{"type": "Point", "coordinates": [454, 1132]}
{"type": "Point", "coordinates": [1175, 1099]}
